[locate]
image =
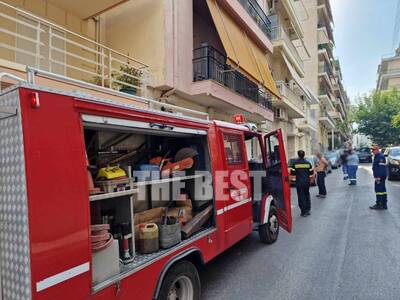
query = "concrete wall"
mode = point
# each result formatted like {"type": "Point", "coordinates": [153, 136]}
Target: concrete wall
{"type": "Point", "coordinates": [137, 28]}
{"type": "Point", "coordinates": [311, 41]}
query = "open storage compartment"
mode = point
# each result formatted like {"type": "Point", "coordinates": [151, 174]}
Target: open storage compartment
{"type": "Point", "coordinates": [143, 196]}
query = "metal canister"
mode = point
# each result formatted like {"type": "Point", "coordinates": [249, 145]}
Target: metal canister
{"type": "Point", "coordinates": [148, 238]}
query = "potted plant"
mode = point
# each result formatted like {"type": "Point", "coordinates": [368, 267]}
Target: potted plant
{"type": "Point", "coordinates": [134, 79]}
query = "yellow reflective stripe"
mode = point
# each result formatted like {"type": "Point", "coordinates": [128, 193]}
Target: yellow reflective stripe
{"type": "Point", "coordinates": [382, 193]}
{"type": "Point", "coordinates": [302, 166]}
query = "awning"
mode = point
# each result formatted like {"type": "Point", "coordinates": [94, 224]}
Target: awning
{"type": "Point", "coordinates": [240, 49]}
{"type": "Point", "coordinates": [296, 76]}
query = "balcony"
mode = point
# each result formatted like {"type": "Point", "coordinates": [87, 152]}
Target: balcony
{"type": "Point", "coordinates": [290, 100]}
{"type": "Point", "coordinates": [256, 12]}
{"type": "Point", "coordinates": [29, 40]}
{"type": "Point", "coordinates": [325, 7]}
{"type": "Point", "coordinates": [322, 48]}
{"type": "Point", "coordinates": [325, 68]}
{"type": "Point", "coordinates": [306, 125]}
{"type": "Point", "coordinates": [281, 38]}
{"type": "Point", "coordinates": [327, 120]}
{"type": "Point", "coordinates": [210, 64]}
{"type": "Point", "coordinates": [327, 28]}
{"type": "Point", "coordinates": [326, 97]}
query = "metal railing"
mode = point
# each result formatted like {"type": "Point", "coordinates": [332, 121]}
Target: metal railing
{"type": "Point", "coordinates": [278, 33]}
{"type": "Point", "coordinates": [210, 64]}
{"type": "Point", "coordinates": [33, 41]}
{"type": "Point", "coordinates": [325, 114]}
{"type": "Point", "coordinates": [325, 68]}
{"type": "Point", "coordinates": [327, 48]}
{"type": "Point", "coordinates": [258, 15]}
{"type": "Point", "coordinates": [290, 95]}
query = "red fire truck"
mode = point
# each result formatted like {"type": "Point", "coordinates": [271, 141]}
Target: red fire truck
{"type": "Point", "coordinates": [47, 138]}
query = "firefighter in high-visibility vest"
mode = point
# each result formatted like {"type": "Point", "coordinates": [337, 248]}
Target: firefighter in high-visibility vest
{"type": "Point", "coordinates": [379, 169]}
{"type": "Point", "coordinates": [302, 169]}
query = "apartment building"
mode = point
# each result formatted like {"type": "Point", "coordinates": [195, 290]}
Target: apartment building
{"type": "Point", "coordinates": [205, 55]}
{"type": "Point", "coordinates": [323, 75]}
{"type": "Point", "coordinates": [292, 111]}
{"type": "Point", "coordinates": [210, 58]}
{"type": "Point", "coordinates": [389, 72]}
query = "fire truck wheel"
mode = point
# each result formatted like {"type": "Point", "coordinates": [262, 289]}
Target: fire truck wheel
{"type": "Point", "coordinates": [269, 232]}
{"type": "Point", "coordinates": [181, 282]}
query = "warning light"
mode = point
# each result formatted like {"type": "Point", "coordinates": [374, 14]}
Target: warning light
{"type": "Point", "coordinates": [238, 119]}
{"type": "Point", "coordinates": [35, 102]}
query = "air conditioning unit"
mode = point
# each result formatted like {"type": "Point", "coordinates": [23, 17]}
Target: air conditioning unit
{"type": "Point", "coordinates": [280, 114]}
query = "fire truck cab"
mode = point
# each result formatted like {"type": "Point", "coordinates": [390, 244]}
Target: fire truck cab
{"type": "Point", "coordinates": [50, 201]}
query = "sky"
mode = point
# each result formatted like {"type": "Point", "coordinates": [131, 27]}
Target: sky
{"type": "Point", "coordinates": [363, 32]}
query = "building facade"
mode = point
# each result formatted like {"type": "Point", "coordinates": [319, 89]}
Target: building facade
{"type": "Point", "coordinates": [323, 76]}
{"type": "Point", "coordinates": [270, 60]}
{"type": "Point", "coordinates": [389, 72]}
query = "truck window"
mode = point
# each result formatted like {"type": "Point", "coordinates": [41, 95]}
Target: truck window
{"type": "Point", "coordinates": [253, 149]}
{"type": "Point", "coordinates": [233, 149]}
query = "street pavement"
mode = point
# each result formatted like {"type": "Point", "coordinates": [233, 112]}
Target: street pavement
{"type": "Point", "coordinates": [343, 250]}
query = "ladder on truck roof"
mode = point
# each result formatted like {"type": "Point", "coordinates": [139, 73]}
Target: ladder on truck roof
{"type": "Point", "coordinates": [155, 106]}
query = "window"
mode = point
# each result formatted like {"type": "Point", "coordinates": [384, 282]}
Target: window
{"type": "Point", "coordinates": [253, 149]}
{"type": "Point", "coordinates": [273, 157]}
{"type": "Point", "coordinates": [233, 149]}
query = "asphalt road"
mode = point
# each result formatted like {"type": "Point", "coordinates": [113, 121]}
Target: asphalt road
{"type": "Point", "coordinates": [342, 251]}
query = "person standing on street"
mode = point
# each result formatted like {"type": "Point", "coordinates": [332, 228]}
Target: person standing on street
{"type": "Point", "coordinates": [379, 170]}
{"type": "Point", "coordinates": [302, 170]}
{"type": "Point", "coordinates": [321, 174]}
{"type": "Point", "coordinates": [343, 161]}
{"type": "Point", "coordinates": [352, 167]}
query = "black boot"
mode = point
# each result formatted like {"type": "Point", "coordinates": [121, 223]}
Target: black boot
{"type": "Point", "coordinates": [384, 205]}
{"type": "Point", "coordinates": [377, 206]}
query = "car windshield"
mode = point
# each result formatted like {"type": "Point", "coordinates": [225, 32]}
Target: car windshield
{"type": "Point", "coordinates": [364, 150]}
{"type": "Point", "coordinates": [395, 152]}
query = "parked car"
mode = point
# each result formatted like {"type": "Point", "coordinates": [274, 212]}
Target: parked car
{"type": "Point", "coordinates": [364, 155]}
{"type": "Point", "coordinates": [313, 178]}
{"type": "Point", "coordinates": [393, 162]}
{"type": "Point", "coordinates": [333, 157]}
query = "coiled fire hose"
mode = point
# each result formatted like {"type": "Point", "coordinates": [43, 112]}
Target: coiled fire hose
{"type": "Point", "coordinates": [100, 237]}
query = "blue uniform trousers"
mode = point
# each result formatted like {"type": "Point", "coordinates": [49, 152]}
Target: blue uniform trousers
{"type": "Point", "coordinates": [380, 190]}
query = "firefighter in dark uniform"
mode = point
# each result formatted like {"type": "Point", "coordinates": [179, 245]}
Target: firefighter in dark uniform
{"type": "Point", "coordinates": [302, 169]}
{"type": "Point", "coordinates": [379, 169]}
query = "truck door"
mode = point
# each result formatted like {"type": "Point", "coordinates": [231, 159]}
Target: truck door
{"type": "Point", "coordinates": [238, 215]}
{"type": "Point", "coordinates": [277, 171]}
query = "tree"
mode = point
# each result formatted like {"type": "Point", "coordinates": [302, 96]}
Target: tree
{"type": "Point", "coordinates": [376, 115]}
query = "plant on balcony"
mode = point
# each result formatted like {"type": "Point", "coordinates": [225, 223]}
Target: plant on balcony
{"type": "Point", "coordinates": [98, 81]}
{"type": "Point", "coordinates": [129, 75]}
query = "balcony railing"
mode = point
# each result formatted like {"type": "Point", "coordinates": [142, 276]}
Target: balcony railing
{"type": "Point", "coordinates": [325, 114]}
{"type": "Point", "coordinates": [258, 15]}
{"type": "Point", "coordinates": [327, 48]}
{"type": "Point", "coordinates": [290, 95]}
{"type": "Point", "coordinates": [278, 33]}
{"type": "Point", "coordinates": [210, 64]}
{"type": "Point", "coordinates": [30, 40]}
{"type": "Point", "coordinates": [325, 68]}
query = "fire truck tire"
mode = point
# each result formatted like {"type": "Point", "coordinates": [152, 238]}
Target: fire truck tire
{"type": "Point", "coordinates": [181, 282]}
{"type": "Point", "coordinates": [269, 231]}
